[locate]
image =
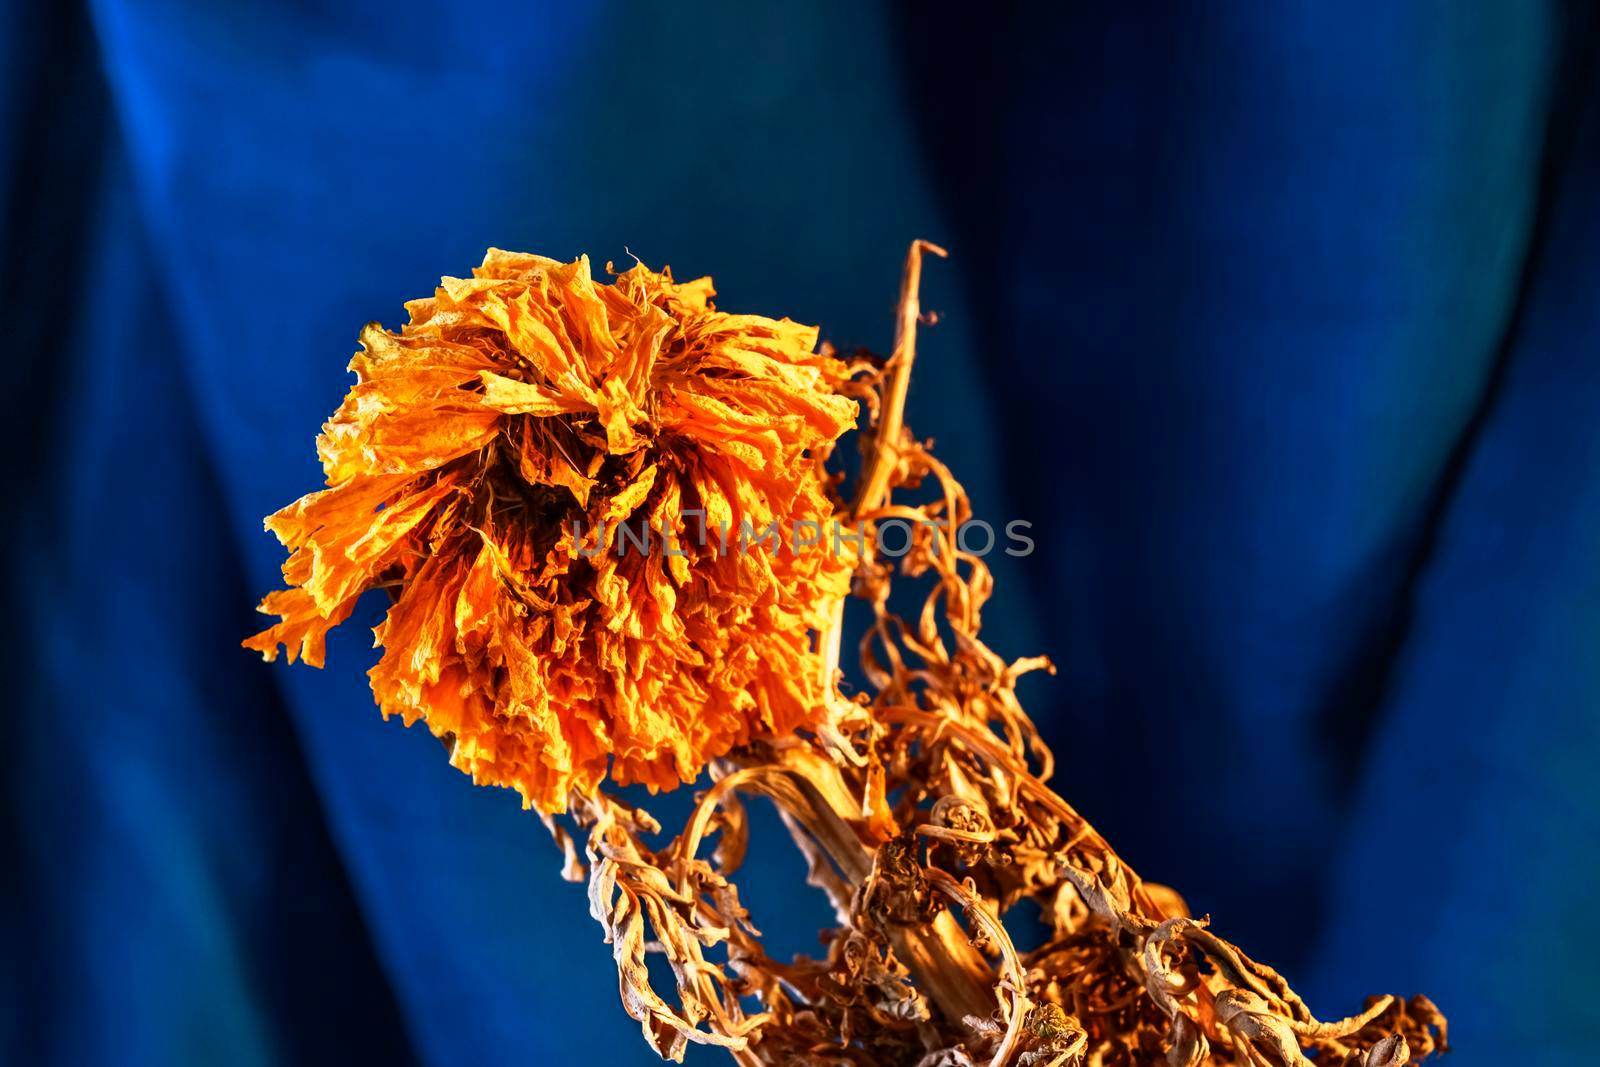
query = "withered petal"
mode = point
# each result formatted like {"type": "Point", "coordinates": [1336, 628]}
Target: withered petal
{"type": "Point", "coordinates": [468, 470]}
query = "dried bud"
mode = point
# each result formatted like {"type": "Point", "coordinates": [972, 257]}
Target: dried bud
{"type": "Point", "coordinates": [1252, 1020]}
{"type": "Point", "coordinates": [1050, 1035]}
{"type": "Point", "coordinates": [1392, 1051]}
{"type": "Point", "coordinates": [1188, 1047]}
{"type": "Point", "coordinates": [898, 891]}
{"type": "Point", "coordinates": [965, 827]}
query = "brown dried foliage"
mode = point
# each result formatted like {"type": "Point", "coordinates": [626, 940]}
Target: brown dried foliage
{"type": "Point", "coordinates": [920, 969]}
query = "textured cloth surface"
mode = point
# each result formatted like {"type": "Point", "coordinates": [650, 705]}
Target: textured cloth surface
{"type": "Point", "coordinates": [1278, 322]}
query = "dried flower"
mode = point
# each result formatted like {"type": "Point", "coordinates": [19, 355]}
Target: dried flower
{"type": "Point", "coordinates": [486, 468]}
{"type": "Point", "coordinates": [529, 396]}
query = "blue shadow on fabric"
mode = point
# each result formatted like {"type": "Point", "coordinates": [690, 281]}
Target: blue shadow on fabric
{"type": "Point", "coordinates": [1275, 320]}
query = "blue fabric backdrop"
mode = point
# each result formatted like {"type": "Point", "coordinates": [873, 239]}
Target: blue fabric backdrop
{"type": "Point", "coordinates": [1277, 320]}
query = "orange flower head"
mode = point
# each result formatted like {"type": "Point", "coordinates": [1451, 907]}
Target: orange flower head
{"type": "Point", "coordinates": [540, 469]}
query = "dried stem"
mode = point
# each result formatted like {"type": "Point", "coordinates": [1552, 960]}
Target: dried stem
{"type": "Point", "coordinates": [879, 463]}
{"type": "Point", "coordinates": [886, 451]}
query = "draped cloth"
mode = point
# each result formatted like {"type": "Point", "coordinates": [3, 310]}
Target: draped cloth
{"type": "Point", "coordinates": [1276, 321]}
